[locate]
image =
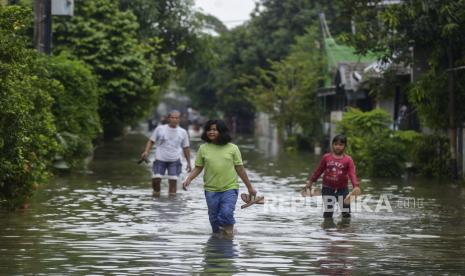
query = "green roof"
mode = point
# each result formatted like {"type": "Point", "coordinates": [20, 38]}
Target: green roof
{"type": "Point", "coordinates": [336, 53]}
{"type": "Point", "coordinates": [342, 53]}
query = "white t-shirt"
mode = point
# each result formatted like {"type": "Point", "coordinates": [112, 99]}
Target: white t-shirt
{"type": "Point", "coordinates": [169, 142]}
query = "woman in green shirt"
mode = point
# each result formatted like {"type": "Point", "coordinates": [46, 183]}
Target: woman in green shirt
{"type": "Point", "coordinates": [222, 163]}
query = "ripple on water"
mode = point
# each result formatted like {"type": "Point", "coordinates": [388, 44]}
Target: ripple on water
{"type": "Point", "coordinates": [109, 223]}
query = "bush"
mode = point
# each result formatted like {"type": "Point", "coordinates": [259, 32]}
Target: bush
{"type": "Point", "coordinates": [376, 149]}
{"type": "Point", "coordinates": [75, 108]}
{"type": "Point", "coordinates": [432, 156]}
{"type": "Point", "coordinates": [384, 157]}
{"type": "Point", "coordinates": [27, 129]}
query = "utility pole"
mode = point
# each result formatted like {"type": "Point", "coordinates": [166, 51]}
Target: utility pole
{"type": "Point", "coordinates": [43, 26]}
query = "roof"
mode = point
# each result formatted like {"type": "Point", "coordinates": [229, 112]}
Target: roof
{"type": "Point", "coordinates": [350, 75]}
{"type": "Point", "coordinates": [346, 69]}
{"type": "Point", "coordinates": [342, 53]}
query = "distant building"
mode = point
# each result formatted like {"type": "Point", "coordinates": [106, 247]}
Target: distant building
{"type": "Point", "coordinates": [349, 78]}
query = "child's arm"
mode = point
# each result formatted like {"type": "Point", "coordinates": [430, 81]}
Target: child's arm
{"type": "Point", "coordinates": [243, 175]}
{"type": "Point", "coordinates": [352, 174]}
{"type": "Point", "coordinates": [195, 172]}
{"type": "Point", "coordinates": [316, 174]}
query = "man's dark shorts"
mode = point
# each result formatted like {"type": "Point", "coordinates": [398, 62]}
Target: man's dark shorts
{"type": "Point", "coordinates": [160, 167]}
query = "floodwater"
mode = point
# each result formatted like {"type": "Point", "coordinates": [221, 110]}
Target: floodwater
{"type": "Point", "coordinates": [105, 222]}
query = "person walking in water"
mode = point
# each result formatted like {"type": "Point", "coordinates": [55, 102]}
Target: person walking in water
{"type": "Point", "coordinates": [337, 167]}
{"type": "Point", "coordinates": [170, 142]}
{"type": "Point", "coordinates": [223, 163]}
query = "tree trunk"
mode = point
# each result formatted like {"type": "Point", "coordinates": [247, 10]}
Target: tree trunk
{"type": "Point", "coordinates": [451, 112]}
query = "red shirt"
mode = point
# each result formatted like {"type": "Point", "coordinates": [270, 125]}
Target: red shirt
{"type": "Point", "coordinates": [337, 171]}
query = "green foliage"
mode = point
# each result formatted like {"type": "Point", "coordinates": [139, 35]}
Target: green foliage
{"type": "Point", "coordinates": [376, 149]}
{"type": "Point", "coordinates": [106, 39]}
{"type": "Point", "coordinates": [75, 108]}
{"type": "Point", "coordinates": [173, 22]}
{"type": "Point", "coordinates": [432, 155]}
{"type": "Point", "coordinates": [211, 23]}
{"type": "Point", "coordinates": [433, 27]}
{"type": "Point", "coordinates": [212, 81]}
{"type": "Point", "coordinates": [27, 129]}
{"type": "Point", "coordinates": [286, 90]}
{"type": "Point", "coordinates": [276, 24]}
{"type": "Point", "coordinates": [200, 81]}
{"type": "Point", "coordinates": [428, 34]}
{"type": "Point", "coordinates": [220, 78]}
{"type": "Point", "coordinates": [358, 123]}
{"type": "Point", "coordinates": [428, 94]}
{"type": "Point", "coordinates": [382, 157]}
{"type": "Point", "coordinates": [281, 92]}
{"type": "Point", "coordinates": [408, 139]}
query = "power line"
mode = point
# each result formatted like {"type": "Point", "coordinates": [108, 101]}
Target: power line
{"type": "Point", "coordinates": [234, 20]}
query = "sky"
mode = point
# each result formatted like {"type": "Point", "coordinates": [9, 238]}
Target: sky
{"type": "Point", "coordinates": [231, 12]}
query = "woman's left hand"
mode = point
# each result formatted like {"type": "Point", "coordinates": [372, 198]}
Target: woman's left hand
{"type": "Point", "coordinates": [252, 192]}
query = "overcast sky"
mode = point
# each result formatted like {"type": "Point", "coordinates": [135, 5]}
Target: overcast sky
{"type": "Point", "coordinates": [231, 12]}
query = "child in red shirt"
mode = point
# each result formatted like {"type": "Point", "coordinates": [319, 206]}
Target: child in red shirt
{"type": "Point", "coordinates": [337, 167]}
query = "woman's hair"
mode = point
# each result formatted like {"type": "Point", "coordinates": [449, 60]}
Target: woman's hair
{"type": "Point", "coordinates": [223, 132]}
{"type": "Point", "coordinates": [340, 138]}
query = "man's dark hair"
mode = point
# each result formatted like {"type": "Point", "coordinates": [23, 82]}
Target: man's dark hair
{"type": "Point", "coordinates": [173, 112]}
{"type": "Point", "coordinates": [340, 138]}
{"type": "Point", "coordinates": [223, 132]}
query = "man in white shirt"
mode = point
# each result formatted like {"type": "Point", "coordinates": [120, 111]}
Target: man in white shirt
{"type": "Point", "coordinates": [170, 142]}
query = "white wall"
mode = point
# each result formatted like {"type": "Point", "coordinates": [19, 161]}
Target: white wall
{"type": "Point", "coordinates": [388, 106]}
{"type": "Point", "coordinates": [267, 134]}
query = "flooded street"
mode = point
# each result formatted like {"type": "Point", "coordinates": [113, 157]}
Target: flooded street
{"type": "Point", "coordinates": [105, 221]}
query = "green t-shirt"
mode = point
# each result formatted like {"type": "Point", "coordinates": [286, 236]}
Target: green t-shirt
{"type": "Point", "coordinates": [219, 162]}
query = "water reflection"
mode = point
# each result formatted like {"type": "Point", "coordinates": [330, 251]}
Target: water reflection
{"type": "Point", "coordinates": [338, 260]}
{"type": "Point", "coordinates": [219, 254]}
{"type": "Point", "coordinates": [328, 223]}
{"type": "Point", "coordinates": [109, 223]}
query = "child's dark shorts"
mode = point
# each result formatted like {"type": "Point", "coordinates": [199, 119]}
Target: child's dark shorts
{"type": "Point", "coordinates": [333, 197]}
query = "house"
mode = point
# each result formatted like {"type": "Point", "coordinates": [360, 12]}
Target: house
{"type": "Point", "coordinates": [352, 80]}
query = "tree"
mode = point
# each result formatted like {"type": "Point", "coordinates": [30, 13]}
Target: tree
{"type": "Point", "coordinates": [213, 81]}
{"type": "Point", "coordinates": [275, 25]}
{"type": "Point", "coordinates": [200, 81]}
{"type": "Point", "coordinates": [106, 39]}
{"type": "Point", "coordinates": [235, 55]}
{"type": "Point", "coordinates": [286, 91]}
{"type": "Point", "coordinates": [173, 22]}
{"type": "Point", "coordinates": [394, 30]}
{"type": "Point", "coordinates": [211, 23]}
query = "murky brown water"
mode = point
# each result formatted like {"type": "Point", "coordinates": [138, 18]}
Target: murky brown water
{"type": "Point", "coordinates": [108, 222]}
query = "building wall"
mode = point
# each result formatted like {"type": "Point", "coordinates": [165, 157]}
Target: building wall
{"type": "Point", "coordinates": [267, 134]}
{"type": "Point", "coordinates": [388, 106]}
